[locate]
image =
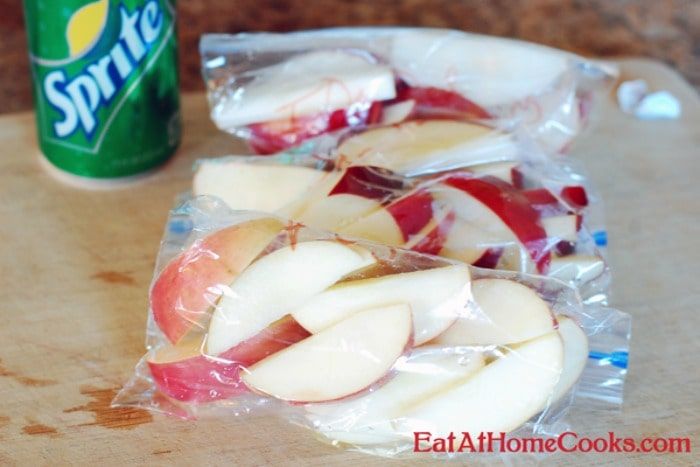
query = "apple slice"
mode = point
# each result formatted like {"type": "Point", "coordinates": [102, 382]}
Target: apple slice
{"type": "Point", "coordinates": [431, 102]}
{"type": "Point", "coordinates": [184, 373]}
{"type": "Point", "coordinates": [397, 113]}
{"type": "Point", "coordinates": [277, 283]}
{"type": "Point", "coordinates": [547, 203]}
{"type": "Point", "coordinates": [336, 212]}
{"type": "Point", "coordinates": [431, 239]}
{"type": "Point", "coordinates": [367, 419]}
{"type": "Point", "coordinates": [499, 398]}
{"type": "Point", "coordinates": [575, 355]}
{"type": "Point", "coordinates": [359, 191]}
{"type": "Point", "coordinates": [512, 208]}
{"type": "Point", "coordinates": [469, 242]}
{"type": "Point", "coordinates": [435, 296]}
{"type": "Point", "coordinates": [339, 361]}
{"type": "Point", "coordinates": [275, 136]}
{"type": "Point", "coordinates": [506, 312]}
{"type": "Point", "coordinates": [511, 71]}
{"type": "Point", "coordinates": [256, 187]}
{"type": "Point", "coordinates": [478, 235]}
{"type": "Point", "coordinates": [427, 146]}
{"type": "Point", "coordinates": [379, 226]}
{"type": "Point", "coordinates": [187, 288]}
{"type": "Point", "coordinates": [562, 228]}
{"type": "Point", "coordinates": [500, 170]}
{"type": "Point", "coordinates": [306, 84]}
{"type": "Point", "coordinates": [578, 268]}
{"type": "Point", "coordinates": [406, 219]}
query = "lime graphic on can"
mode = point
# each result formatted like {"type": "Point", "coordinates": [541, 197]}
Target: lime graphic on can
{"type": "Point", "coordinates": [105, 84]}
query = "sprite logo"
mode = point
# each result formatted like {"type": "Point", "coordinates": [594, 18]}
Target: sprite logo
{"type": "Point", "coordinates": [109, 48]}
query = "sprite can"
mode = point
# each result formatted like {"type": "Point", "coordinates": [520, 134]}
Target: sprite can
{"type": "Point", "coordinates": [105, 84]}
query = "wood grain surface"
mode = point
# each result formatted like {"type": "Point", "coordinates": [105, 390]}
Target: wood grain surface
{"type": "Point", "coordinates": [76, 267]}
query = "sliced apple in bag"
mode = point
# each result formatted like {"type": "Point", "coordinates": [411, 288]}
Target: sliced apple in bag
{"type": "Point", "coordinates": [306, 84]}
{"type": "Point", "coordinates": [502, 396]}
{"type": "Point", "coordinates": [484, 194]}
{"type": "Point", "coordinates": [489, 71]}
{"type": "Point", "coordinates": [184, 373]}
{"type": "Point", "coordinates": [189, 286]}
{"type": "Point", "coordinates": [578, 268]}
{"type": "Point", "coordinates": [403, 222]}
{"type": "Point", "coordinates": [560, 228]}
{"type": "Point", "coordinates": [506, 312]}
{"type": "Point", "coordinates": [256, 187]}
{"type": "Point", "coordinates": [428, 146]}
{"type": "Point", "coordinates": [367, 419]}
{"type": "Point", "coordinates": [469, 242]}
{"type": "Point", "coordinates": [500, 170]}
{"type": "Point", "coordinates": [359, 191]}
{"type": "Point", "coordinates": [397, 113]}
{"type": "Point", "coordinates": [337, 362]}
{"type": "Point", "coordinates": [575, 355]}
{"type": "Point", "coordinates": [436, 297]}
{"type": "Point", "coordinates": [277, 283]}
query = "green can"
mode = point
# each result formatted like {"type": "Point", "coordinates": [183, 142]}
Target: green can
{"type": "Point", "coordinates": [105, 84]}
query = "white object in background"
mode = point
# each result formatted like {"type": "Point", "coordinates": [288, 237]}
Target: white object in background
{"type": "Point", "coordinates": [659, 105]}
{"type": "Point", "coordinates": [634, 98]}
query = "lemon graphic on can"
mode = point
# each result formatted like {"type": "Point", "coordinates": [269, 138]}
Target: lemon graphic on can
{"type": "Point", "coordinates": [85, 27]}
{"type": "Point", "coordinates": [105, 84]}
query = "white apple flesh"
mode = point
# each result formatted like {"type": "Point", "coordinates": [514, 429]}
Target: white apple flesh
{"type": "Point", "coordinates": [338, 211]}
{"type": "Point", "coordinates": [578, 268]}
{"type": "Point", "coordinates": [379, 226]}
{"type": "Point", "coordinates": [337, 362]}
{"type": "Point", "coordinates": [277, 283]}
{"type": "Point", "coordinates": [499, 398]}
{"type": "Point", "coordinates": [256, 187]}
{"type": "Point", "coordinates": [436, 297]}
{"type": "Point", "coordinates": [510, 72]}
{"type": "Point", "coordinates": [427, 146]}
{"type": "Point", "coordinates": [500, 170]}
{"type": "Point", "coordinates": [476, 227]}
{"type": "Point", "coordinates": [397, 113]}
{"type": "Point", "coordinates": [575, 355]}
{"type": "Point", "coordinates": [367, 419]}
{"type": "Point", "coordinates": [306, 84]}
{"type": "Point", "coordinates": [561, 227]}
{"type": "Point", "coordinates": [505, 312]}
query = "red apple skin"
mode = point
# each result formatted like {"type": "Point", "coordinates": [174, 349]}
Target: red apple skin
{"type": "Point", "coordinates": [189, 285]}
{"type": "Point", "coordinates": [369, 182]}
{"type": "Point", "coordinates": [575, 196]}
{"type": "Point", "coordinates": [565, 248]}
{"type": "Point", "coordinates": [200, 378]}
{"type": "Point", "coordinates": [434, 241]}
{"type": "Point", "coordinates": [490, 258]}
{"type": "Point", "coordinates": [412, 212]}
{"type": "Point", "coordinates": [540, 196]}
{"type": "Point", "coordinates": [271, 137]}
{"type": "Point", "coordinates": [517, 178]}
{"type": "Point", "coordinates": [434, 102]}
{"type": "Point", "coordinates": [513, 208]}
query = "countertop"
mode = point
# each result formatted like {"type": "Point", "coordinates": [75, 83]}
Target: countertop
{"type": "Point", "coordinates": [76, 267]}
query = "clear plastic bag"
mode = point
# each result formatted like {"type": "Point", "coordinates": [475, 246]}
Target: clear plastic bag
{"type": "Point", "coordinates": [533, 216]}
{"type": "Point", "coordinates": [278, 90]}
{"type": "Point", "coordinates": [362, 343]}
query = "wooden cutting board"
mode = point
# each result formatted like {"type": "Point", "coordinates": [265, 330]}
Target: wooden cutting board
{"type": "Point", "coordinates": [76, 267]}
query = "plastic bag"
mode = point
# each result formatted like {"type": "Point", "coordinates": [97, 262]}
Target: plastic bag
{"type": "Point", "coordinates": [362, 343]}
{"type": "Point", "coordinates": [520, 216]}
{"type": "Point", "coordinates": [278, 90]}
